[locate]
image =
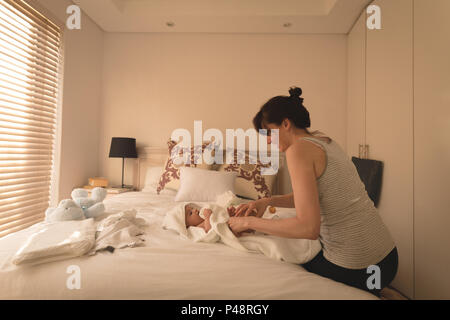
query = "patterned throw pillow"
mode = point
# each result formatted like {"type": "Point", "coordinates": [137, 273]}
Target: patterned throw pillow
{"type": "Point", "coordinates": [250, 183]}
{"type": "Point", "coordinates": [170, 177]}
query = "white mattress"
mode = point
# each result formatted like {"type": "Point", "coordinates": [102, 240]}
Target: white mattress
{"type": "Point", "coordinates": [167, 267]}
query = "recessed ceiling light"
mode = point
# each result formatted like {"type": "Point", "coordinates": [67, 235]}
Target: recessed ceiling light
{"type": "Point", "coordinates": [170, 24]}
{"type": "Point", "coordinates": [287, 25]}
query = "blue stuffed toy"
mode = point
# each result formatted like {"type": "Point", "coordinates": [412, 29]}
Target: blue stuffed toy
{"type": "Point", "coordinates": [79, 207]}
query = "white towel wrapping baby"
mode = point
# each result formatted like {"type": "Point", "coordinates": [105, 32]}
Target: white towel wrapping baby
{"type": "Point", "coordinates": [296, 251]}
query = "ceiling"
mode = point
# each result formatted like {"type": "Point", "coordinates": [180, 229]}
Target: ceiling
{"type": "Point", "coordinates": [224, 16]}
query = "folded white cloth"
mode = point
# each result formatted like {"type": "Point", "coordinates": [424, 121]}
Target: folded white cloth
{"type": "Point", "coordinates": [290, 250]}
{"type": "Point", "coordinates": [54, 241]}
{"type": "Point", "coordinates": [119, 231]}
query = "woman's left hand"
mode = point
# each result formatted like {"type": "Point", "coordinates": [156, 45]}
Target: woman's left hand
{"type": "Point", "coordinates": [239, 224]}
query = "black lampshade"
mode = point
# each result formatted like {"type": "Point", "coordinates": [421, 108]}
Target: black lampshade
{"type": "Point", "coordinates": [123, 148]}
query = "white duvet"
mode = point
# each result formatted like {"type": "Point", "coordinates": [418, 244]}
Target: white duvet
{"type": "Point", "coordinates": [165, 267]}
{"type": "Point", "coordinates": [290, 250]}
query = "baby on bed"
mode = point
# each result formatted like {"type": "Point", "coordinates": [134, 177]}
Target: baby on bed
{"type": "Point", "coordinates": [207, 223]}
{"type": "Point", "coordinates": [200, 218]}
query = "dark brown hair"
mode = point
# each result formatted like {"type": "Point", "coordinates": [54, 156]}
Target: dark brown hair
{"type": "Point", "coordinates": [284, 107]}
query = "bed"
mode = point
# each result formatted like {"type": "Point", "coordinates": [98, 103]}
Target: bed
{"type": "Point", "coordinates": [166, 267]}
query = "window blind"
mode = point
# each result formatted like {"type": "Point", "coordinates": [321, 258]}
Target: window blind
{"type": "Point", "coordinates": [29, 65]}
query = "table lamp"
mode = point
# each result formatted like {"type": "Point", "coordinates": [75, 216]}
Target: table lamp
{"type": "Point", "coordinates": [123, 148]}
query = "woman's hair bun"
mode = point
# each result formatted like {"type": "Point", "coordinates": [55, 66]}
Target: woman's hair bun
{"type": "Point", "coordinates": [295, 92]}
{"type": "Point", "coordinates": [281, 107]}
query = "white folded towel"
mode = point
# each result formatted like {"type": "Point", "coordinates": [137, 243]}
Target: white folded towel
{"type": "Point", "coordinates": [54, 241]}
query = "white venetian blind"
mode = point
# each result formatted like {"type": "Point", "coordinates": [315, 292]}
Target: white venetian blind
{"type": "Point", "coordinates": [29, 64]}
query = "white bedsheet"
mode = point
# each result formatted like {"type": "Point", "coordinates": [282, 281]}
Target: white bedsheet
{"type": "Point", "coordinates": [167, 267]}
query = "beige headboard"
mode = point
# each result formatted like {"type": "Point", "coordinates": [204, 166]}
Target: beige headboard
{"type": "Point", "coordinates": [156, 157]}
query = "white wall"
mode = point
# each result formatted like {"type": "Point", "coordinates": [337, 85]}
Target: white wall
{"type": "Point", "coordinates": [356, 87]}
{"type": "Point", "coordinates": [407, 125]}
{"type": "Point", "coordinates": [155, 83]}
{"type": "Point", "coordinates": [431, 148]}
{"type": "Point", "coordinates": [389, 126]}
{"type": "Point", "coordinates": [380, 114]}
{"type": "Point", "coordinates": [80, 101]}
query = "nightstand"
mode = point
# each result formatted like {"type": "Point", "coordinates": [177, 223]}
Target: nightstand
{"type": "Point", "coordinates": [111, 192]}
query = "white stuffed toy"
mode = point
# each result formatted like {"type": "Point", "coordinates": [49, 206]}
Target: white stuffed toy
{"type": "Point", "coordinates": [79, 207]}
{"type": "Point", "coordinates": [93, 206]}
{"type": "Point", "coordinates": [66, 210]}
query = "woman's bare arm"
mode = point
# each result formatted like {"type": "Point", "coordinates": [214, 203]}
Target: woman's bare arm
{"type": "Point", "coordinates": [259, 206]}
{"type": "Point", "coordinates": [306, 225]}
{"type": "Point", "coordinates": [284, 201]}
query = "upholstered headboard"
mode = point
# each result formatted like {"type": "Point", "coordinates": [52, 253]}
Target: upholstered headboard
{"type": "Point", "coordinates": [156, 157]}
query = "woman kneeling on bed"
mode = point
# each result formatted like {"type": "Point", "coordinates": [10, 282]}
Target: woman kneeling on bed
{"type": "Point", "coordinates": [330, 201]}
{"type": "Point", "coordinates": [200, 218]}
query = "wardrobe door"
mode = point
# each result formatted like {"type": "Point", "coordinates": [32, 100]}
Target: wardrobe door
{"type": "Point", "coordinates": [389, 125]}
{"type": "Point", "coordinates": [356, 86]}
{"type": "Point", "coordinates": [432, 148]}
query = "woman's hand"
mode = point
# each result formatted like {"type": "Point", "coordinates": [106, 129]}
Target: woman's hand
{"type": "Point", "coordinates": [257, 207]}
{"type": "Point", "coordinates": [231, 211]}
{"type": "Point", "coordinates": [239, 225]}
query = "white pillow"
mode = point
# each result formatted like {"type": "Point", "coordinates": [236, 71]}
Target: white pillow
{"type": "Point", "coordinates": [204, 185]}
{"type": "Point", "coordinates": [152, 178]}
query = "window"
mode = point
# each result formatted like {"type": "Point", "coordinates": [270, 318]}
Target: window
{"type": "Point", "coordinates": [29, 73]}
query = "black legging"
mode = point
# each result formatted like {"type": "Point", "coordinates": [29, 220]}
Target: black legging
{"type": "Point", "coordinates": [358, 277]}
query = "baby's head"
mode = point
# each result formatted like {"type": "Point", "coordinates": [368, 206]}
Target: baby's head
{"type": "Point", "coordinates": [192, 217]}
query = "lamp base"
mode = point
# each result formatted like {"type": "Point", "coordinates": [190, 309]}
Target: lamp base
{"type": "Point", "coordinates": [122, 187]}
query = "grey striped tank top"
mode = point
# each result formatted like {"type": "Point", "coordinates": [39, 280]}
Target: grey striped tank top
{"type": "Point", "coordinates": [352, 233]}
